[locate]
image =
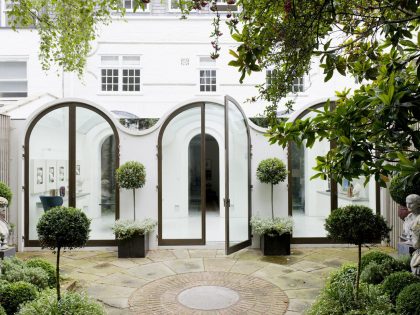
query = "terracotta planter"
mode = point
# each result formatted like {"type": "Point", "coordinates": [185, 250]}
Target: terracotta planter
{"type": "Point", "coordinates": [402, 212]}
{"type": "Point", "coordinates": [135, 247]}
{"type": "Point", "coordinates": [276, 245]}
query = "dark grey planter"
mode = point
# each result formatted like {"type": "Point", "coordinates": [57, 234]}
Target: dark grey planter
{"type": "Point", "coordinates": [135, 247]}
{"type": "Point", "coordinates": [276, 245]}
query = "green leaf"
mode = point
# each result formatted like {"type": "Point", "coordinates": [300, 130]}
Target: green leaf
{"type": "Point", "coordinates": [328, 76]}
{"type": "Point", "coordinates": [233, 53]}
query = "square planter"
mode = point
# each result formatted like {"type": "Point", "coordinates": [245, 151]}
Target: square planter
{"type": "Point", "coordinates": [135, 247]}
{"type": "Point", "coordinates": [276, 245]}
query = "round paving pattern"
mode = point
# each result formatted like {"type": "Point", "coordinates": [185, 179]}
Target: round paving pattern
{"type": "Point", "coordinates": [185, 294]}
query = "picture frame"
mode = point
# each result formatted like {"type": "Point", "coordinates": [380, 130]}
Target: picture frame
{"type": "Point", "coordinates": [62, 173]}
{"type": "Point", "coordinates": [38, 175]}
{"type": "Point", "coordinates": [51, 174]}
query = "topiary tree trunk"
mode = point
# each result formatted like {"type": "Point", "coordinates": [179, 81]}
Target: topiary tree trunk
{"type": "Point", "coordinates": [57, 274]}
{"type": "Point", "coordinates": [134, 203]}
{"type": "Point", "coordinates": [272, 202]}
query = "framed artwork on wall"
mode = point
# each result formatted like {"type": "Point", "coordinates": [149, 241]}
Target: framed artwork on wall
{"type": "Point", "coordinates": [51, 177]}
{"type": "Point", "coordinates": [62, 176]}
{"type": "Point", "coordinates": [38, 176]}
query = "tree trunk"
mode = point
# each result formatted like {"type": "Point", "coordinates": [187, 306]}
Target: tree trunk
{"type": "Point", "coordinates": [272, 203]}
{"type": "Point", "coordinates": [57, 274]}
{"type": "Point", "coordinates": [134, 199]}
{"type": "Point", "coordinates": [359, 264]}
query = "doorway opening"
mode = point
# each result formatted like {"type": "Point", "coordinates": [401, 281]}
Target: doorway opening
{"type": "Point", "coordinates": [215, 229]}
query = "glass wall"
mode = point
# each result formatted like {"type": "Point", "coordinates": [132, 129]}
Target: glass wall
{"type": "Point", "coordinates": [181, 180]}
{"type": "Point", "coordinates": [48, 165]}
{"type": "Point", "coordinates": [92, 154]}
{"type": "Point", "coordinates": [95, 169]}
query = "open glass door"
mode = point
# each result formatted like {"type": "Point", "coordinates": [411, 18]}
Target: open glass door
{"type": "Point", "coordinates": [238, 177]}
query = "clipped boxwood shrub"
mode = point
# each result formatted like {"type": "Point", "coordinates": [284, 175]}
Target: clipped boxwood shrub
{"type": "Point", "coordinates": [46, 266]}
{"type": "Point", "coordinates": [15, 294]}
{"type": "Point", "coordinates": [2, 311]}
{"type": "Point", "coordinates": [374, 256]}
{"type": "Point", "coordinates": [403, 263]}
{"type": "Point", "coordinates": [408, 301]}
{"type": "Point", "coordinates": [399, 189]}
{"type": "Point", "coordinates": [70, 304]}
{"type": "Point", "coordinates": [34, 275]}
{"type": "Point", "coordinates": [396, 282]}
{"type": "Point", "coordinates": [6, 192]}
{"type": "Point", "coordinates": [375, 273]}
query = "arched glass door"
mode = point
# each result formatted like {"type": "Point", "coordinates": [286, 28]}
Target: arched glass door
{"type": "Point", "coordinates": [71, 153]}
{"type": "Point", "coordinates": [194, 169]}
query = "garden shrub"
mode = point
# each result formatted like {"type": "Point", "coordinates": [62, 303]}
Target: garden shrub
{"type": "Point", "coordinates": [408, 301]}
{"type": "Point", "coordinates": [3, 283]}
{"type": "Point", "coordinates": [396, 282]}
{"type": "Point", "coordinates": [375, 273]}
{"type": "Point", "coordinates": [15, 294]}
{"type": "Point", "coordinates": [399, 189]}
{"type": "Point", "coordinates": [374, 256]}
{"type": "Point", "coordinates": [2, 311]}
{"type": "Point", "coordinates": [36, 276]}
{"type": "Point", "coordinates": [70, 304]}
{"type": "Point", "coordinates": [338, 296]}
{"type": "Point", "coordinates": [403, 263]}
{"type": "Point", "coordinates": [10, 263]}
{"type": "Point", "coordinates": [46, 266]}
{"type": "Point", "coordinates": [6, 192]}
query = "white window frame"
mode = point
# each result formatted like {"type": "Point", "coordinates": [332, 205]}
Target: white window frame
{"type": "Point", "coordinates": [120, 67]}
{"type": "Point", "coordinates": [301, 83]}
{"type": "Point", "coordinates": [207, 67]}
{"type": "Point", "coordinates": [139, 10]}
{"type": "Point", "coordinates": [305, 84]}
{"type": "Point", "coordinates": [16, 59]}
{"type": "Point", "coordinates": [207, 7]}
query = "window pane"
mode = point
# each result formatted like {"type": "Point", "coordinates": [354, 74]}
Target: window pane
{"type": "Point", "coordinates": [13, 86]}
{"type": "Point", "coordinates": [109, 60]}
{"type": "Point", "coordinates": [48, 164]}
{"type": "Point", "coordinates": [13, 70]}
{"type": "Point", "coordinates": [131, 60]}
{"type": "Point", "coordinates": [95, 169]}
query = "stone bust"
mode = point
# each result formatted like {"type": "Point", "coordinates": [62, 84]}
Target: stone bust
{"type": "Point", "coordinates": [413, 204]}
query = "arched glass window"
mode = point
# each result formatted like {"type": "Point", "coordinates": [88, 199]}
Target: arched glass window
{"type": "Point", "coordinates": [71, 153]}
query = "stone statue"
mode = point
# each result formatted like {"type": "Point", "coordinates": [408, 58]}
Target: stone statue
{"type": "Point", "coordinates": [413, 204]}
{"type": "Point", "coordinates": [415, 259]}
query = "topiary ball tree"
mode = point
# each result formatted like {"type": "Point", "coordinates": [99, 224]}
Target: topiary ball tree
{"type": "Point", "coordinates": [408, 302]}
{"type": "Point", "coordinates": [63, 228]}
{"type": "Point", "coordinates": [399, 189]}
{"type": "Point", "coordinates": [356, 225]}
{"type": "Point", "coordinates": [6, 192]}
{"type": "Point", "coordinates": [131, 175]}
{"type": "Point", "coordinates": [271, 171]}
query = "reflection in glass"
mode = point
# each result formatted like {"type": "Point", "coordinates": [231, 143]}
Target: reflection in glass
{"type": "Point", "coordinates": [311, 198]}
{"type": "Point", "coordinates": [238, 176]}
{"type": "Point", "coordinates": [95, 169]}
{"type": "Point", "coordinates": [48, 164]}
{"type": "Point", "coordinates": [356, 193]}
{"type": "Point", "coordinates": [181, 177]}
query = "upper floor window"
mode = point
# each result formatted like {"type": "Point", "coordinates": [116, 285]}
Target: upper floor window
{"type": "Point", "coordinates": [298, 84]}
{"type": "Point", "coordinates": [13, 79]}
{"type": "Point", "coordinates": [129, 6]}
{"type": "Point", "coordinates": [120, 73]}
{"type": "Point", "coordinates": [208, 75]}
{"type": "Point", "coordinates": [222, 5]}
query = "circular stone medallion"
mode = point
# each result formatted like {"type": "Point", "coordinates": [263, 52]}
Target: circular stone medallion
{"type": "Point", "coordinates": [208, 297]}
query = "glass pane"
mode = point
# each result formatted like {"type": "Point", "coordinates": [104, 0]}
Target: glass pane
{"type": "Point", "coordinates": [311, 199]}
{"type": "Point", "coordinates": [13, 86]}
{"type": "Point", "coordinates": [214, 172]}
{"type": "Point", "coordinates": [181, 176]}
{"type": "Point", "coordinates": [109, 60]}
{"type": "Point", "coordinates": [13, 70]}
{"type": "Point", "coordinates": [48, 165]}
{"type": "Point", "coordinates": [131, 60]}
{"type": "Point", "coordinates": [238, 176]}
{"type": "Point", "coordinates": [356, 193]}
{"type": "Point", "coordinates": [95, 169]}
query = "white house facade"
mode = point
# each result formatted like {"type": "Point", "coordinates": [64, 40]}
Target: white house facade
{"type": "Point", "coordinates": [151, 93]}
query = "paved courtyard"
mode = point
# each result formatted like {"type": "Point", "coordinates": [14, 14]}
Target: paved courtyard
{"type": "Point", "coordinates": [195, 281]}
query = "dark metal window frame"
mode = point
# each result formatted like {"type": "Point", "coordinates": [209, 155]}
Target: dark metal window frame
{"type": "Point", "coordinates": [333, 196]}
{"type": "Point", "coordinates": [72, 166]}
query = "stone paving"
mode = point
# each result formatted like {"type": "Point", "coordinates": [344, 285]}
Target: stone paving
{"type": "Point", "coordinates": [270, 285]}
